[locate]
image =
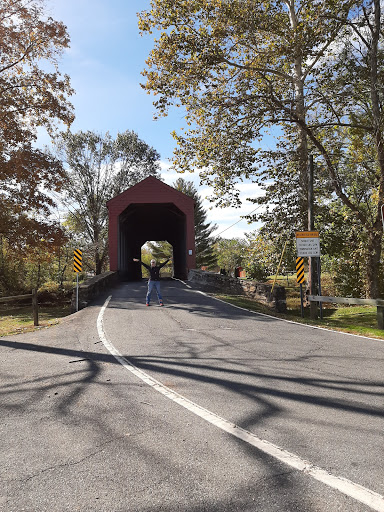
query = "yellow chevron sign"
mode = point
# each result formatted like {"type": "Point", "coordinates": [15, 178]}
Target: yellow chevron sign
{"type": "Point", "coordinates": [300, 270]}
{"type": "Point", "coordinates": [77, 260]}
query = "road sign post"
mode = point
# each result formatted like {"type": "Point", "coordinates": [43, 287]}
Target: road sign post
{"type": "Point", "coordinates": [308, 245]}
{"type": "Point", "coordinates": [319, 286]}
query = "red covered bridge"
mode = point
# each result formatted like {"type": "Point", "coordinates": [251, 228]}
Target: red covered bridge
{"type": "Point", "coordinates": [150, 210]}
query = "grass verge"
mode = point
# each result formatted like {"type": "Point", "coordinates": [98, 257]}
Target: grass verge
{"type": "Point", "coordinates": [16, 320]}
{"type": "Point", "coordinates": [359, 320]}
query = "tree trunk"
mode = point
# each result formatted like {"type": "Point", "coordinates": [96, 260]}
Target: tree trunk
{"type": "Point", "coordinates": [98, 263]}
{"type": "Point", "coordinates": [376, 233]}
{"type": "Point", "coordinates": [38, 276]}
{"type": "Point", "coordinates": [300, 111]}
{"type": "Point", "coordinates": [306, 221]}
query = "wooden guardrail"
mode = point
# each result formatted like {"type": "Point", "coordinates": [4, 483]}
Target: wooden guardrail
{"type": "Point", "coordinates": [35, 304]}
{"type": "Point", "coordinates": [379, 303]}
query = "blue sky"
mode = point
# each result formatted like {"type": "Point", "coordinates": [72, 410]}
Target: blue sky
{"type": "Point", "coordinates": [104, 62]}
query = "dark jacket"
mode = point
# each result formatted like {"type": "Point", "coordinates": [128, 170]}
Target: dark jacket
{"type": "Point", "coordinates": [154, 272]}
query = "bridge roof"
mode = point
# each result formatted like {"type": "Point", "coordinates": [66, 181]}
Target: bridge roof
{"type": "Point", "coordinates": [150, 190]}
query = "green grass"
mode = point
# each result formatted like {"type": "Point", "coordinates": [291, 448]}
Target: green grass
{"type": "Point", "coordinates": [19, 319]}
{"type": "Point", "coordinates": [359, 320]}
{"type": "Point", "coordinates": [353, 319]}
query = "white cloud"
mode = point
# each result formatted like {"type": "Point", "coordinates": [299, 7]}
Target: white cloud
{"type": "Point", "coordinates": [228, 220]}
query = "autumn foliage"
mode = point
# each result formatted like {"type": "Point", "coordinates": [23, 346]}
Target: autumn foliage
{"type": "Point", "coordinates": [33, 94]}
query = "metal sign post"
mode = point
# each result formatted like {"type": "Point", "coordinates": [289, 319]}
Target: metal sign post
{"type": "Point", "coordinates": [77, 291]}
{"type": "Point", "coordinates": [308, 245]}
{"type": "Point", "coordinates": [319, 285]}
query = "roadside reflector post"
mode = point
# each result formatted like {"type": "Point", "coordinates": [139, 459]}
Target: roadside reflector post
{"type": "Point", "coordinates": [300, 277]}
{"type": "Point", "coordinates": [77, 267]}
{"type": "Point", "coordinates": [35, 308]}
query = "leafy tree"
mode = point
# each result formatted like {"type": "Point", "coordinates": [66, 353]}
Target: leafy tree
{"type": "Point", "coordinates": [231, 253]}
{"type": "Point", "coordinates": [98, 168]}
{"type": "Point", "coordinates": [242, 67]}
{"type": "Point", "coordinates": [29, 267]}
{"type": "Point", "coordinates": [9, 269]}
{"type": "Point", "coordinates": [146, 255]}
{"type": "Point", "coordinates": [237, 67]}
{"type": "Point", "coordinates": [160, 250]}
{"type": "Point", "coordinates": [359, 142]}
{"type": "Point", "coordinates": [33, 94]}
{"type": "Point", "coordinates": [262, 256]}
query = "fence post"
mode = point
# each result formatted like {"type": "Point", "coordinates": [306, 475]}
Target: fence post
{"type": "Point", "coordinates": [35, 307]}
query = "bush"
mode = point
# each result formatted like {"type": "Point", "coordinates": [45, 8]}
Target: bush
{"type": "Point", "coordinates": [68, 285]}
{"type": "Point", "coordinates": [256, 271]}
{"type": "Point", "coordinates": [348, 281]}
{"type": "Point", "coordinates": [51, 293]}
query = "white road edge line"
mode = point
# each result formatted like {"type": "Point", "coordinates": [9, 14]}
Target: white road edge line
{"type": "Point", "coordinates": [370, 498]}
{"type": "Point", "coordinates": [282, 319]}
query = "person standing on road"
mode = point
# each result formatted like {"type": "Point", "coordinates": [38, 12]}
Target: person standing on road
{"type": "Point", "coordinates": [154, 279]}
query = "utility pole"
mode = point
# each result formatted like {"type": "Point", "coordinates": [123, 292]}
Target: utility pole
{"type": "Point", "coordinates": [311, 226]}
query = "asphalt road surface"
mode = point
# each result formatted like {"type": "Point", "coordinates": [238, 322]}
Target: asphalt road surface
{"type": "Point", "coordinates": [195, 406]}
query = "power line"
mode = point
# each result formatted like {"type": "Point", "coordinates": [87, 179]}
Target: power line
{"type": "Point", "coordinates": [226, 229]}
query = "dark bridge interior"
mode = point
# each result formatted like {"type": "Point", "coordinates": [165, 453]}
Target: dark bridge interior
{"type": "Point", "coordinates": [140, 223]}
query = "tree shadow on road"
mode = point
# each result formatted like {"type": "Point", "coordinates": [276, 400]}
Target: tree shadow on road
{"type": "Point", "coordinates": [269, 394]}
{"type": "Point", "coordinates": [218, 374]}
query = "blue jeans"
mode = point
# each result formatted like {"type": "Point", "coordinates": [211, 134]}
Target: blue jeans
{"type": "Point", "coordinates": [154, 285]}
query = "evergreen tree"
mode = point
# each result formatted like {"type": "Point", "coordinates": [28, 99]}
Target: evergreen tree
{"type": "Point", "coordinates": [205, 255]}
{"type": "Point", "coordinates": [160, 250]}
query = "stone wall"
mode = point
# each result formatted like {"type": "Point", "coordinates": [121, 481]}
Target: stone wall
{"type": "Point", "coordinates": [216, 283]}
{"type": "Point", "coordinates": [92, 288]}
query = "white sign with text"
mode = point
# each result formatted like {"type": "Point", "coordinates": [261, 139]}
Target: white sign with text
{"type": "Point", "coordinates": [307, 244]}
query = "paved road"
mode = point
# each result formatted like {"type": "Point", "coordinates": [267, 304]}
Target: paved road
{"type": "Point", "coordinates": [80, 432]}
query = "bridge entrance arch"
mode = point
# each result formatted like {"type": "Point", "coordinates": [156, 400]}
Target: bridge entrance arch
{"type": "Point", "coordinates": [150, 210]}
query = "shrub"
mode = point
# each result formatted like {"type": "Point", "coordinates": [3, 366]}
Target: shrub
{"type": "Point", "coordinates": [255, 270]}
{"type": "Point", "coordinates": [51, 293]}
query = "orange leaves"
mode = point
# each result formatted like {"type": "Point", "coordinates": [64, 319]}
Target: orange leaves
{"type": "Point", "coordinates": [31, 96]}
{"type": "Point", "coordinates": [28, 38]}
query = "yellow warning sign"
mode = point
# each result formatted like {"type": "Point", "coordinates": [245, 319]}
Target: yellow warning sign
{"type": "Point", "coordinates": [300, 270]}
{"type": "Point", "coordinates": [307, 234]}
{"type": "Point", "coordinates": [77, 260]}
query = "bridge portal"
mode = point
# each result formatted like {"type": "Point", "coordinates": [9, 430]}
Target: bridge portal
{"type": "Point", "coordinates": [150, 210]}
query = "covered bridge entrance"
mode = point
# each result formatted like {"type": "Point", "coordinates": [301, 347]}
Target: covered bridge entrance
{"type": "Point", "coordinates": [150, 210]}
